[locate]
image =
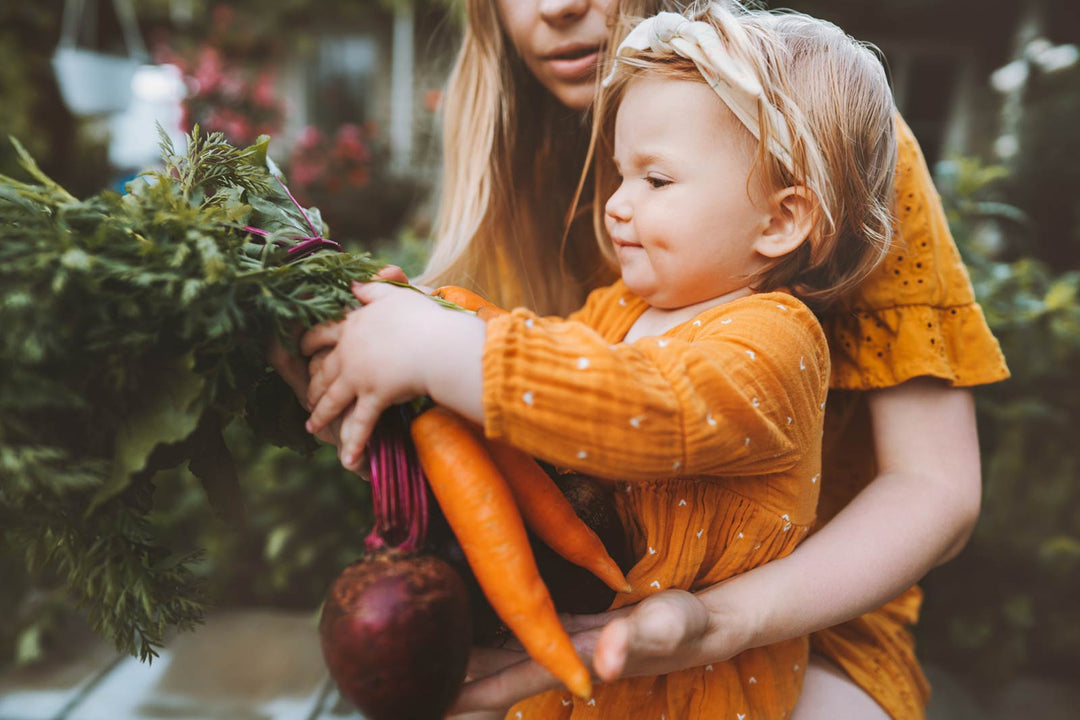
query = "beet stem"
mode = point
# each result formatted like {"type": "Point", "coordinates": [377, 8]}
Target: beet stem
{"type": "Point", "coordinates": [398, 485]}
{"type": "Point", "coordinates": [299, 207]}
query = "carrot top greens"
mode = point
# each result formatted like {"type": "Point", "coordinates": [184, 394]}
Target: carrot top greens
{"type": "Point", "coordinates": [133, 329]}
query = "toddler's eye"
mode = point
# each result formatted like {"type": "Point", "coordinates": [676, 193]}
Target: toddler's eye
{"type": "Point", "coordinates": [657, 182]}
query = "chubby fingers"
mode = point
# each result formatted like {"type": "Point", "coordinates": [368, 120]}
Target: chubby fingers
{"type": "Point", "coordinates": [321, 337]}
{"type": "Point", "coordinates": [327, 402]}
{"type": "Point", "coordinates": [356, 428]}
{"type": "Point", "coordinates": [324, 369]}
{"type": "Point", "coordinates": [393, 273]}
{"type": "Point", "coordinates": [370, 292]}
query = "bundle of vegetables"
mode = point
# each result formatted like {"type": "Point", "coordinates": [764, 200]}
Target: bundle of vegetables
{"type": "Point", "coordinates": [395, 626]}
{"type": "Point", "coordinates": [134, 329]}
{"type": "Point", "coordinates": [383, 609]}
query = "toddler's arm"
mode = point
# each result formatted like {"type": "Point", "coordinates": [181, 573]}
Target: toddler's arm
{"type": "Point", "coordinates": [738, 391]}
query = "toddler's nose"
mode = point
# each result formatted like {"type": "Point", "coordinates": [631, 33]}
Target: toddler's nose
{"type": "Point", "coordinates": [617, 207]}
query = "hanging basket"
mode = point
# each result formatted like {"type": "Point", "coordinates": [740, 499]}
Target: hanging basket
{"type": "Point", "coordinates": [92, 82]}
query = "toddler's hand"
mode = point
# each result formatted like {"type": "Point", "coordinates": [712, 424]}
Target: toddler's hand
{"type": "Point", "coordinates": [378, 358]}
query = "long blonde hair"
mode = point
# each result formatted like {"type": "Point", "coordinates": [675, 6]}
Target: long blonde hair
{"type": "Point", "coordinates": [512, 160]}
{"type": "Point", "coordinates": [833, 94]}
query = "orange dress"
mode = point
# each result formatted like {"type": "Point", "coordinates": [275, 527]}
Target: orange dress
{"type": "Point", "coordinates": [711, 434]}
{"type": "Point", "coordinates": [915, 316]}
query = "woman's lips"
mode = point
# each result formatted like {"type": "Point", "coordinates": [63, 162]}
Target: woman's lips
{"type": "Point", "coordinates": [570, 66]}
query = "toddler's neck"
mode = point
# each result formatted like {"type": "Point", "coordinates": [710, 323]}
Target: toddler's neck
{"type": "Point", "coordinates": [657, 321]}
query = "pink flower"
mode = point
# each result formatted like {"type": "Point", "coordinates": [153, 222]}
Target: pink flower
{"type": "Point", "coordinates": [310, 137]}
{"type": "Point", "coordinates": [305, 174]}
{"type": "Point", "coordinates": [264, 92]}
{"type": "Point", "coordinates": [209, 72]}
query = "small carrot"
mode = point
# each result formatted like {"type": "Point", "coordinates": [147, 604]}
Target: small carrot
{"type": "Point", "coordinates": [465, 298]}
{"type": "Point", "coordinates": [550, 515]}
{"type": "Point", "coordinates": [487, 312]}
{"type": "Point", "coordinates": [480, 508]}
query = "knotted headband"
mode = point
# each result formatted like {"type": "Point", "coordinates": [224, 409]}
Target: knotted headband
{"type": "Point", "coordinates": [730, 76]}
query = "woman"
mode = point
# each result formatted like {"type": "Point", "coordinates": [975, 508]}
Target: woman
{"type": "Point", "coordinates": [901, 481]}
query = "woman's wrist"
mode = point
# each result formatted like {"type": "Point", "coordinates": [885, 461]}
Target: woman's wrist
{"type": "Point", "coordinates": [737, 618]}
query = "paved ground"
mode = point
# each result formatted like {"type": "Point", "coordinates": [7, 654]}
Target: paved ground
{"type": "Point", "coordinates": [253, 665]}
{"type": "Point", "coordinates": [266, 665]}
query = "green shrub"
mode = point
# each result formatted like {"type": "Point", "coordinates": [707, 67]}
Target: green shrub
{"type": "Point", "coordinates": [1008, 605]}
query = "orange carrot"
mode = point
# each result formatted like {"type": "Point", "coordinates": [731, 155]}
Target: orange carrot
{"type": "Point", "coordinates": [465, 298]}
{"type": "Point", "coordinates": [550, 515]}
{"type": "Point", "coordinates": [480, 508]}
{"type": "Point", "coordinates": [487, 312]}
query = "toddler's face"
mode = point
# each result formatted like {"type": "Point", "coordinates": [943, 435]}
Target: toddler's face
{"type": "Point", "coordinates": [559, 41]}
{"type": "Point", "coordinates": [687, 213]}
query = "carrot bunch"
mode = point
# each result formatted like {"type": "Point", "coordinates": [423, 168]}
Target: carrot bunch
{"type": "Point", "coordinates": [488, 492]}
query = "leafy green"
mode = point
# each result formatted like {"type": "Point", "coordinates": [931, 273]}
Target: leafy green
{"type": "Point", "coordinates": [135, 327]}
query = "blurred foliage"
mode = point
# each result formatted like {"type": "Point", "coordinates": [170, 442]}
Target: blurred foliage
{"type": "Point", "coordinates": [306, 519]}
{"type": "Point", "coordinates": [305, 516]}
{"type": "Point", "coordinates": [1008, 604]}
{"type": "Point", "coordinates": [231, 79]}
{"type": "Point", "coordinates": [31, 108]}
{"type": "Point", "coordinates": [1046, 175]}
{"type": "Point", "coordinates": [347, 175]}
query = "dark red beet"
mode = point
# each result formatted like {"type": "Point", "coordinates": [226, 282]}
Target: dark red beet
{"type": "Point", "coordinates": [395, 626]}
{"type": "Point", "coordinates": [395, 634]}
{"type": "Point", "coordinates": [573, 588]}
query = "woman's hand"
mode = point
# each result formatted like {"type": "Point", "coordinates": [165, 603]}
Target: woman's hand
{"type": "Point", "coordinates": [669, 631]}
{"type": "Point", "coordinates": [294, 370]}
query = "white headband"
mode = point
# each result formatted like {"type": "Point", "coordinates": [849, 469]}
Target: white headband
{"type": "Point", "coordinates": [732, 78]}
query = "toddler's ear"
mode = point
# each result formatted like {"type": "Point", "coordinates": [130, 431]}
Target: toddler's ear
{"type": "Point", "coordinates": [792, 213]}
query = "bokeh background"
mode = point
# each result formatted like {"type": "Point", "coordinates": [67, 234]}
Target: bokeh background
{"type": "Point", "coordinates": [350, 91]}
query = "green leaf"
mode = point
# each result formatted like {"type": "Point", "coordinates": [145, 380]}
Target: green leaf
{"type": "Point", "coordinates": [29, 646]}
{"type": "Point", "coordinates": [213, 465]}
{"type": "Point", "coordinates": [168, 413]}
{"type": "Point", "coordinates": [1062, 294]}
{"type": "Point", "coordinates": [257, 154]}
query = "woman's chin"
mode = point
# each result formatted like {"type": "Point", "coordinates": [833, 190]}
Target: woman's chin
{"type": "Point", "coordinates": [574, 95]}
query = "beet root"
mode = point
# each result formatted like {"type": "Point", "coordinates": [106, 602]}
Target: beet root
{"type": "Point", "coordinates": [574, 589]}
{"type": "Point", "coordinates": [395, 634]}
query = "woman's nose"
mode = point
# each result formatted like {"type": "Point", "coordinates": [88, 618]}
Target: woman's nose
{"type": "Point", "coordinates": [563, 12]}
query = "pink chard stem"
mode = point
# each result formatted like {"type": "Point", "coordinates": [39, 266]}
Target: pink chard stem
{"type": "Point", "coordinates": [398, 489]}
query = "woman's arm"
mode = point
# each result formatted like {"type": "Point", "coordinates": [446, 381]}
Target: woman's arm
{"type": "Point", "coordinates": [917, 513]}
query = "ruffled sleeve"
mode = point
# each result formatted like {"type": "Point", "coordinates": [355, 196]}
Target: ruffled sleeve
{"type": "Point", "coordinates": [916, 315]}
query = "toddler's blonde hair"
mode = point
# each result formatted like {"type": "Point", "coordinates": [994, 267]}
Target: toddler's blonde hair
{"type": "Point", "coordinates": [833, 94]}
